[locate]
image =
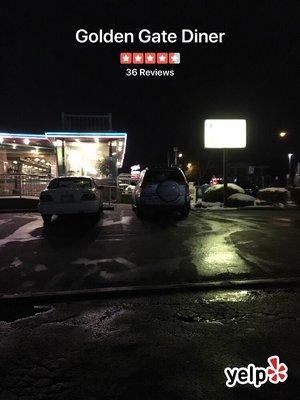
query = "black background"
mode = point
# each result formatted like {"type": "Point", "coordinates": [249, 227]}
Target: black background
{"type": "Point", "coordinates": [252, 75]}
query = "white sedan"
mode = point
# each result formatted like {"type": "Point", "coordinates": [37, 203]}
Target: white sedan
{"type": "Point", "coordinates": [70, 195]}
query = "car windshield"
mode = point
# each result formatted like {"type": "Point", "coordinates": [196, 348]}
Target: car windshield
{"type": "Point", "coordinates": [164, 175]}
{"type": "Point", "coordinates": [77, 183]}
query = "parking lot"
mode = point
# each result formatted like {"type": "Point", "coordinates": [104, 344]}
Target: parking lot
{"type": "Point", "coordinates": [121, 249]}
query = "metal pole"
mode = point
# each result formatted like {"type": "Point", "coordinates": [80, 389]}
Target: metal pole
{"type": "Point", "coordinates": [21, 186]}
{"type": "Point", "coordinates": [168, 158]}
{"type": "Point", "coordinates": [225, 177]}
{"type": "Point", "coordinates": [63, 120]}
{"type": "Point", "coordinates": [63, 156]}
{"type": "Point", "coordinates": [175, 155]}
{"type": "Point", "coordinates": [290, 170]}
{"type": "Point", "coordinates": [110, 121]}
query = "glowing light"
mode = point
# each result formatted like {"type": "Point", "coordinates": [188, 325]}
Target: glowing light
{"type": "Point", "coordinates": [189, 165]}
{"type": "Point", "coordinates": [14, 146]}
{"type": "Point", "coordinates": [136, 167]}
{"type": "Point", "coordinates": [225, 133]}
{"type": "Point", "coordinates": [57, 142]}
{"type": "Point", "coordinates": [282, 134]}
{"type": "Point", "coordinates": [26, 141]}
{"type": "Point", "coordinates": [290, 155]}
{"type": "Point", "coordinates": [228, 296]}
{"type": "Point", "coordinates": [15, 162]}
{"type": "Point", "coordinates": [82, 159]}
{"type": "Point", "coordinates": [180, 155]}
{"type": "Point", "coordinates": [100, 135]}
{"type": "Point", "coordinates": [1, 139]}
{"type": "Point", "coordinates": [90, 169]}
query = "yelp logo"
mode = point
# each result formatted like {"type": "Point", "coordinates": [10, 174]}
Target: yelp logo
{"type": "Point", "coordinates": [275, 372]}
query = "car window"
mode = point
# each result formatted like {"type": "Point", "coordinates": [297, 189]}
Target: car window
{"type": "Point", "coordinates": [78, 183]}
{"type": "Point", "coordinates": [164, 175]}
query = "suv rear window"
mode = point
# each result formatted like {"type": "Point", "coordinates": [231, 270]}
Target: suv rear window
{"type": "Point", "coordinates": [164, 175]}
{"type": "Point", "coordinates": [70, 182]}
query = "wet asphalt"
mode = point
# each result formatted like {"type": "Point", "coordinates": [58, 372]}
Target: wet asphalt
{"type": "Point", "coordinates": [153, 348]}
{"type": "Point", "coordinates": [121, 250]}
{"type": "Point", "coordinates": [168, 346]}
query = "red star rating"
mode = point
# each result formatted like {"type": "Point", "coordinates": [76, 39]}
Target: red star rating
{"type": "Point", "coordinates": [174, 58]}
{"type": "Point", "coordinates": [138, 58]}
{"type": "Point", "coordinates": [125, 58]}
{"type": "Point", "coordinates": [150, 58]}
{"type": "Point", "coordinates": [162, 58]}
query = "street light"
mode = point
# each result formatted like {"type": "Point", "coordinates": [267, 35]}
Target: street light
{"type": "Point", "coordinates": [176, 155]}
{"type": "Point", "coordinates": [189, 165]}
{"type": "Point", "coordinates": [282, 134]}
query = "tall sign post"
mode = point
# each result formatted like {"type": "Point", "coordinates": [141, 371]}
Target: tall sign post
{"type": "Point", "coordinates": [225, 134]}
{"type": "Point", "coordinates": [175, 149]}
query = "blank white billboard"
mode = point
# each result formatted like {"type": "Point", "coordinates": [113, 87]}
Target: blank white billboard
{"type": "Point", "coordinates": [225, 133]}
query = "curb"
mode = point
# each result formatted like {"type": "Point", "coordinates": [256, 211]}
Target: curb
{"type": "Point", "coordinates": [18, 210]}
{"type": "Point", "coordinates": [22, 210]}
{"type": "Point", "coordinates": [134, 291]}
{"type": "Point", "coordinates": [248, 208]}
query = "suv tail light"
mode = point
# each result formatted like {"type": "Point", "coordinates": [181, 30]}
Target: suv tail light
{"type": "Point", "coordinates": [88, 196]}
{"type": "Point", "coordinates": [45, 197]}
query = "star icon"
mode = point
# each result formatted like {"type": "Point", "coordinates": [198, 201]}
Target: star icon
{"type": "Point", "coordinates": [138, 58]}
{"type": "Point", "coordinates": [174, 58]}
{"type": "Point", "coordinates": [150, 58]}
{"type": "Point", "coordinates": [125, 58]}
{"type": "Point", "coordinates": [162, 58]}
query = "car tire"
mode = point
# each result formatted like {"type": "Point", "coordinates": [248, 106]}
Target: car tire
{"type": "Point", "coordinates": [47, 218]}
{"type": "Point", "coordinates": [185, 212]}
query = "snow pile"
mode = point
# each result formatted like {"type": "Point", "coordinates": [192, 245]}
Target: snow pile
{"type": "Point", "coordinates": [215, 193]}
{"type": "Point", "coordinates": [207, 204]}
{"type": "Point", "coordinates": [273, 195]}
{"type": "Point", "coordinates": [240, 200]}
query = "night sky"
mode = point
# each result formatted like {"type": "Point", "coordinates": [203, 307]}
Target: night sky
{"type": "Point", "coordinates": [251, 75]}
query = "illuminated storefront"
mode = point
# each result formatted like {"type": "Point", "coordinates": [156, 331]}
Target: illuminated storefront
{"type": "Point", "coordinates": [43, 156]}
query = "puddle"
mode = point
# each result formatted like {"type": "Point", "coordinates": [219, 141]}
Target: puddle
{"type": "Point", "coordinates": [228, 296]}
{"type": "Point", "coordinates": [11, 313]}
